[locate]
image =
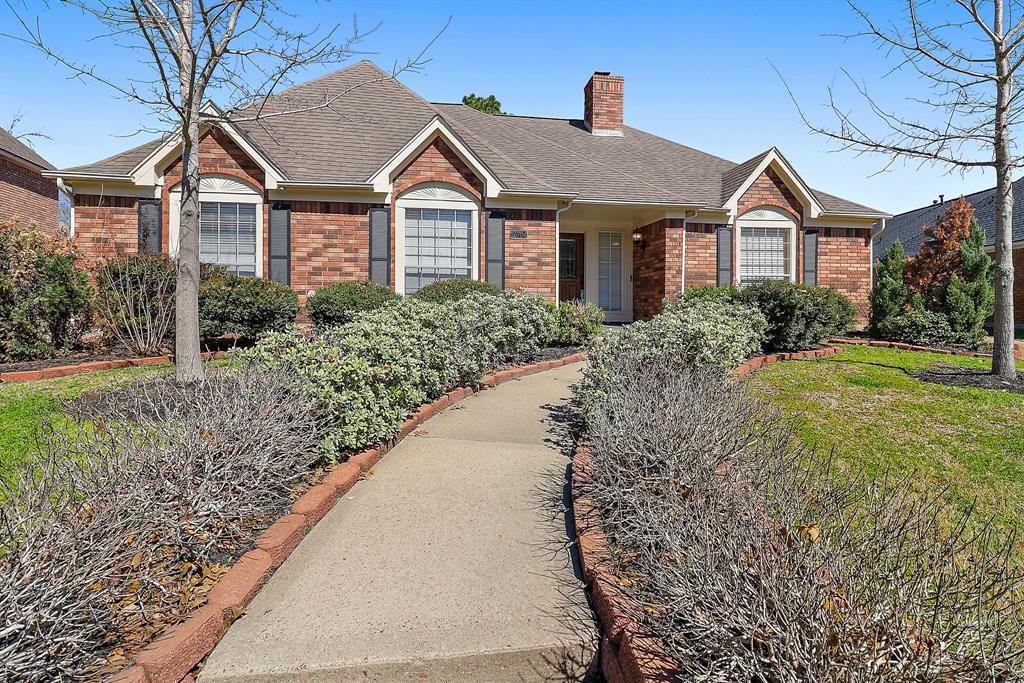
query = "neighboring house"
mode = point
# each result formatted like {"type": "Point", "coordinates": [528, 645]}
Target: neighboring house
{"type": "Point", "coordinates": [909, 227]}
{"type": "Point", "coordinates": [24, 191]}
{"type": "Point", "coordinates": [386, 186]}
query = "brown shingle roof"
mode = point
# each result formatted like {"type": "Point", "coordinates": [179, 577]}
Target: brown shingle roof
{"type": "Point", "coordinates": [370, 116]}
{"type": "Point", "coordinates": [15, 147]}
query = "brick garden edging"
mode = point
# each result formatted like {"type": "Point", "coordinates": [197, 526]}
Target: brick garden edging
{"type": "Point", "coordinates": [1018, 347]}
{"type": "Point", "coordinates": [176, 652]}
{"type": "Point", "coordinates": [630, 653]}
{"type": "Point", "coordinates": [93, 366]}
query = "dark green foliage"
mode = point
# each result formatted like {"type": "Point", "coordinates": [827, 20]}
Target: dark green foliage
{"type": "Point", "coordinates": [488, 105]}
{"type": "Point", "coordinates": [342, 302]}
{"type": "Point", "coordinates": [917, 326]}
{"type": "Point", "coordinates": [722, 293]}
{"type": "Point", "coordinates": [247, 306]}
{"type": "Point", "coordinates": [45, 296]}
{"type": "Point", "coordinates": [889, 293]}
{"type": "Point", "coordinates": [969, 297]}
{"type": "Point", "coordinates": [452, 290]}
{"type": "Point", "coordinates": [799, 316]}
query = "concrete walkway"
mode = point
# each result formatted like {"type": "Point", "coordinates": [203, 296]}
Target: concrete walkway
{"type": "Point", "coordinates": [450, 563]}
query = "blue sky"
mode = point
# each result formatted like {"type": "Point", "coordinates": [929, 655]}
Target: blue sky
{"type": "Point", "coordinates": [699, 73]}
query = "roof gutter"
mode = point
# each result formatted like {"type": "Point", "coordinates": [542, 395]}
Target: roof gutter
{"type": "Point", "coordinates": [567, 196]}
{"type": "Point", "coordinates": [86, 176]}
{"type": "Point", "coordinates": [299, 184]}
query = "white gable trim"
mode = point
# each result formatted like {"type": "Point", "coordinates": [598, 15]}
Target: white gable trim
{"type": "Point", "coordinates": [436, 128]}
{"type": "Point", "coordinates": [150, 170]}
{"type": "Point", "coordinates": [775, 159]}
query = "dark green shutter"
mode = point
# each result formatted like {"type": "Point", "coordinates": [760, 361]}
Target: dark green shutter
{"type": "Point", "coordinates": [279, 242]}
{"type": "Point", "coordinates": [150, 237]}
{"type": "Point", "coordinates": [724, 255]}
{"type": "Point", "coordinates": [380, 245]}
{"type": "Point", "coordinates": [811, 258]}
{"type": "Point", "coordinates": [495, 261]}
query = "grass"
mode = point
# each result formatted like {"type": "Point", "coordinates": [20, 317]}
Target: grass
{"type": "Point", "coordinates": [866, 404]}
{"type": "Point", "coordinates": [25, 408]}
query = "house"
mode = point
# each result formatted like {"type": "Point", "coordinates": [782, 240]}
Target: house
{"type": "Point", "coordinates": [908, 228]}
{"type": "Point", "coordinates": [380, 184]}
{"type": "Point", "coordinates": [24, 191]}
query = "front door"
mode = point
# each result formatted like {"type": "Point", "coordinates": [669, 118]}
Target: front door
{"type": "Point", "coordinates": [570, 266]}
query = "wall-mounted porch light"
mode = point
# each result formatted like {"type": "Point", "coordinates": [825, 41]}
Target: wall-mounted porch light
{"type": "Point", "coordinates": [639, 241]}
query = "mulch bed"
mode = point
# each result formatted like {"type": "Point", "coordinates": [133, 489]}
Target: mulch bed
{"type": "Point", "coordinates": [958, 376]}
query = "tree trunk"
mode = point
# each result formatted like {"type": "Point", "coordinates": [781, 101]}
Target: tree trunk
{"type": "Point", "coordinates": [1003, 363]}
{"type": "Point", "coordinates": [186, 303]}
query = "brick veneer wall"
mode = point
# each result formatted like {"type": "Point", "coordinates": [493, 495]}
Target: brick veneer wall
{"type": "Point", "coordinates": [844, 262]}
{"type": "Point", "coordinates": [26, 194]}
{"type": "Point", "coordinates": [530, 264]}
{"type": "Point", "coordinates": [330, 243]}
{"type": "Point", "coordinates": [770, 190]}
{"type": "Point", "coordinates": [658, 267]}
{"type": "Point", "coordinates": [105, 226]}
{"type": "Point", "coordinates": [701, 255]}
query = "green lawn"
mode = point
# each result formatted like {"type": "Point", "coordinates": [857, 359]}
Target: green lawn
{"type": "Point", "coordinates": [24, 408]}
{"type": "Point", "coordinates": [878, 417]}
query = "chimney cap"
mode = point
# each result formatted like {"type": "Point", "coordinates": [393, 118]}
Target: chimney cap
{"type": "Point", "coordinates": [602, 73]}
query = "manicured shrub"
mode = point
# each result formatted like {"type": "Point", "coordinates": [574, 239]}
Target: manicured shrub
{"type": "Point", "coordinates": [135, 300]}
{"type": "Point", "coordinates": [799, 317]}
{"type": "Point", "coordinates": [749, 561]}
{"type": "Point", "coordinates": [342, 302]}
{"type": "Point", "coordinates": [576, 323]}
{"type": "Point", "coordinates": [45, 295]}
{"type": "Point", "coordinates": [704, 331]}
{"type": "Point", "coordinates": [723, 292]}
{"type": "Point", "coordinates": [917, 326]}
{"type": "Point", "coordinates": [454, 289]}
{"type": "Point", "coordinates": [247, 306]}
{"type": "Point", "coordinates": [110, 534]}
{"type": "Point", "coordinates": [889, 293]}
{"type": "Point", "coordinates": [507, 327]}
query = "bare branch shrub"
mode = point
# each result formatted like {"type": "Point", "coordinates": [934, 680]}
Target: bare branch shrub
{"type": "Point", "coordinates": [136, 300]}
{"type": "Point", "coordinates": [753, 562]}
{"type": "Point", "coordinates": [119, 526]}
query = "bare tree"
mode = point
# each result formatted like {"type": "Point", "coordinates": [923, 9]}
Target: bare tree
{"type": "Point", "coordinates": [967, 57]}
{"type": "Point", "coordinates": [193, 49]}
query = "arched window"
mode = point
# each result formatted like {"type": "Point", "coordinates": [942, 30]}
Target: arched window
{"type": "Point", "coordinates": [767, 245]}
{"type": "Point", "coordinates": [230, 224]}
{"type": "Point", "coordinates": [436, 236]}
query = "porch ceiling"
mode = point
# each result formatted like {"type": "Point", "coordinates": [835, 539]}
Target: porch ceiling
{"type": "Point", "coordinates": [609, 215]}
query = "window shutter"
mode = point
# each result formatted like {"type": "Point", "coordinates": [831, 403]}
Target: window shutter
{"type": "Point", "coordinates": [724, 255]}
{"type": "Point", "coordinates": [380, 245]}
{"type": "Point", "coordinates": [810, 276]}
{"type": "Point", "coordinates": [149, 226]}
{"type": "Point", "coordinates": [496, 249]}
{"type": "Point", "coordinates": [279, 242]}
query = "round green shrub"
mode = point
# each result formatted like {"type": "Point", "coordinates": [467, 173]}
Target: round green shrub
{"type": "Point", "coordinates": [341, 302]}
{"type": "Point", "coordinates": [799, 316]}
{"type": "Point", "coordinates": [247, 306]}
{"type": "Point", "coordinates": [917, 326]}
{"type": "Point", "coordinates": [454, 290]}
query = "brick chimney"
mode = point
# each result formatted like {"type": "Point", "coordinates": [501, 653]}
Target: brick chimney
{"type": "Point", "coordinates": [602, 104]}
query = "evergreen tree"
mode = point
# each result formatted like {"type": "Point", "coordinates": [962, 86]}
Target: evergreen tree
{"type": "Point", "coordinates": [889, 293]}
{"type": "Point", "coordinates": [488, 105]}
{"type": "Point", "coordinates": [969, 296]}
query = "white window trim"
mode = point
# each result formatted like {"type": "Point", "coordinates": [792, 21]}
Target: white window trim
{"type": "Point", "coordinates": [746, 221]}
{"type": "Point", "coordinates": [237, 197]}
{"type": "Point", "coordinates": [461, 204]}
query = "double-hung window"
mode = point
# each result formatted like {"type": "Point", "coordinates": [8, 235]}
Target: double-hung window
{"type": "Point", "coordinates": [438, 246]}
{"type": "Point", "coordinates": [227, 235]}
{"type": "Point", "coordinates": [765, 254]}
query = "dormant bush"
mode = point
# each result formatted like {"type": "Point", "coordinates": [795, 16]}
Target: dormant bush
{"type": "Point", "coordinates": [753, 563]}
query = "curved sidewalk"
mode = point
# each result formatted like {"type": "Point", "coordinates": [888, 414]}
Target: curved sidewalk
{"type": "Point", "coordinates": [450, 563]}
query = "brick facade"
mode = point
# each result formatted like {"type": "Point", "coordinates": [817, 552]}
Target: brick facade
{"type": "Point", "coordinates": [330, 243]}
{"type": "Point", "coordinates": [26, 194]}
{"type": "Point", "coordinates": [657, 267]}
{"type": "Point", "coordinates": [701, 255]}
{"type": "Point", "coordinates": [844, 263]}
{"type": "Point", "coordinates": [106, 226]}
{"type": "Point", "coordinates": [530, 264]}
{"type": "Point", "coordinates": [770, 190]}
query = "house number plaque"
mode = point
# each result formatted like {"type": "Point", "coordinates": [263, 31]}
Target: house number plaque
{"type": "Point", "coordinates": [517, 234]}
